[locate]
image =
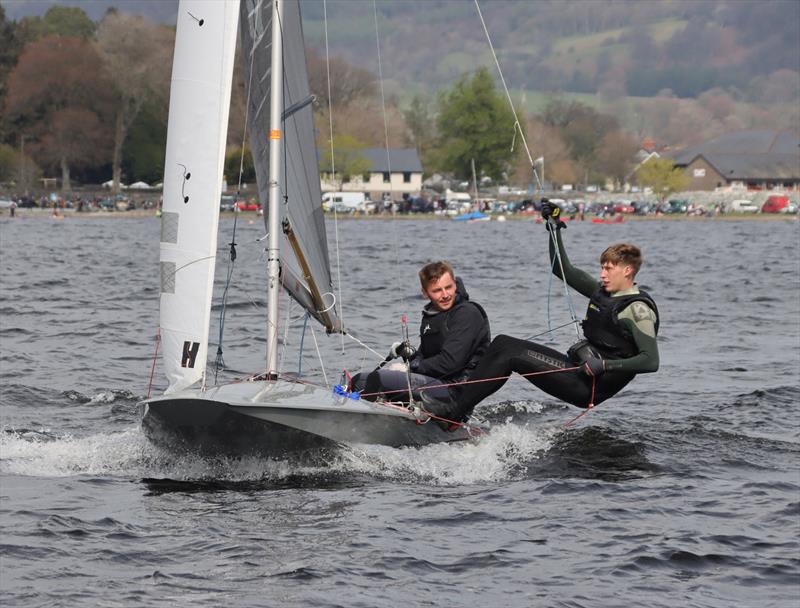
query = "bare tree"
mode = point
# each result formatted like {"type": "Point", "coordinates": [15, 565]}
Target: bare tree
{"type": "Point", "coordinates": [58, 93]}
{"type": "Point", "coordinates": [348, 82]}
{"type": "Point", "coordinates": [76, 138]}
{"type": "Point", "coordinates": [363, 120]}
{"type": "Point", "coordinates": [138, 56]}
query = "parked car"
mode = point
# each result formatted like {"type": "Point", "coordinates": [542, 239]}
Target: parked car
{"type": "Point", "coordinates": [420, 204]}
{"type": "Point", "coordinates": [624, 207]}
{"type": "Point", "coordinates": [248, 206]}
{"type": "Point", "coordinates": [227, 203]}
{"type": "Point", "coordinates": [779, 204]}
{"type": "Point", "coordinates": [5, 203]}
{"type": "Point", "coordinates": [677, 206]}
{"type": "Point", "coordinates": [743, 205]}
{"type": "Point", "coordinates": [642, 207]}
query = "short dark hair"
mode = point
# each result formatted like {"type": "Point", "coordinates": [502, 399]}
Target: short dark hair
{"type": "Point", "coordinates": [433, 272]}
{"type": "Point", "coordinates": [623, 253]}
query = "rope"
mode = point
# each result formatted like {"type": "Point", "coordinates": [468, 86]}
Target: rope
{"type": "Point", "coordinates": [396, 237]}
{"type": "Point", "coordinates": [333, 171]}
{"type": "Point", "coordinates": [570, 306]}
{"type": "Point", "coordinates": [302, 339]}
{"type": "Point", "coordinates": [383, 96]}
{"type": "Point", "coordinates": [588, 407]}
{"type": "Point", "coordinates": [517, 126]}
{"type": "Point", "coordinates": [289, 304]}
{"type": "Point", "coordinates": [430, 386]}
{"type": "Point", "coordinates": [155, 357]}
{"type": "Point", "coordinates": [550, 330]}
{"type": "Point", "coordinates": [366, 347]}
{"type": "Point", "coordinates": [404, 322]}
{"type": "Point", "coordinates": [219, 362]}
{"type": "Point", "coordinates": [321, 362]}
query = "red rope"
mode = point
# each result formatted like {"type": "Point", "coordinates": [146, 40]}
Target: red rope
{"type": "Point", "coordinates": [472, 430]}
{"type": "Point", "coordinates": [155, 356]}
{"type": "Point", "coordinates": [588, 407]}
{"type": "Point", "coordinates": [430, 386]}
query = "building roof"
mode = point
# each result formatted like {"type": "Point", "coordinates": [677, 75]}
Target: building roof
{"type": "Point", "coordinates": [753, 154]}
{"type": "Point", "coordinates": [400, 159]}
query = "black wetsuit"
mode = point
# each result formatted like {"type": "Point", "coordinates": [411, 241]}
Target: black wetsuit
{"type": "Point", "coordinates": [452, 343]}
{"type": "Point", "coordinates": [620, 328]}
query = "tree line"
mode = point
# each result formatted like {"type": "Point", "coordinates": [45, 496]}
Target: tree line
{"type": "Point", "coordinates": [74, 92]}
{"type": "Point", "coordinates": [88, 101]}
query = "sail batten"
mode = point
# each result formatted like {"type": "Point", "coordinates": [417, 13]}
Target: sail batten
{"type": "Point", "coordinates": [200, 90]}
{"type": "Point", "coordinates": [301, 197]}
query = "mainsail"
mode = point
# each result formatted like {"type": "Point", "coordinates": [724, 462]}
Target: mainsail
{"type": "Point", "coordinates": [305, 266]}
{"type": "Point", "coordinates": [202, 71]}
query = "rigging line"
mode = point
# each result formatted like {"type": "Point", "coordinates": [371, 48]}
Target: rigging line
{"type": "Point", "coordinates": [319, 356]}
{"type": "Point", "coordinates": [333, 173]}
{"type": "Point", "coordinates": [550, 330]}
{"type": "Point", "coordinates": [284, 86]}
{"type": "Point", "coordinates": [372, 350]}
{"type": "Point", "coordinates": [187, 264]}
{"type": "Point", "coordinates": [219, 362]}
{"type": "Point", "coordinates": [287, 323]}
{"type": "Point", "coordinates": [549, 292]}
{"type": "Point", "coordinates": [155, 358]}
{"type": "Point", "coordinates": [302, 339]}
{"type": "Point", "coordinates": [396, 237]}
{"type": "Point", "coordinates": [246, 117]}
{"type": "Point", "coordinates": [570, 306]}
{"type": "Point", "coordinates": [517, 126]}
{"type": "Point", "coordinates": [383, 96]}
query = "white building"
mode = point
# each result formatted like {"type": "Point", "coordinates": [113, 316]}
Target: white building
{"type": "Point", "coordinates": [399, 174]}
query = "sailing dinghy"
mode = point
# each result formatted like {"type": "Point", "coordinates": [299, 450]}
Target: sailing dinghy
{"type": "Point", "coordinates": [271, 412]}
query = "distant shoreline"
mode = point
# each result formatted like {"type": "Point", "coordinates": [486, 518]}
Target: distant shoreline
{"type": "Point", "coordinates": [140, 213]}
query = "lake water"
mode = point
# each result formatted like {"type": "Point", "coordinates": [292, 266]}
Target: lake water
{"type": "Point", "coordinates": [682, 491]}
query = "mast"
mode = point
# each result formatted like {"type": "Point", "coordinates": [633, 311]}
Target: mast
{"type": "Point", "coordinates": [273, 225]}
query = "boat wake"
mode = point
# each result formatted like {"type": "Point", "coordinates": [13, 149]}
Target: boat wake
{"type": "Point", "coordinates": [505, 452]}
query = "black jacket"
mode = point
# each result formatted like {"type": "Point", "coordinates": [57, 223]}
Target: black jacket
{"type": "Point", "coordinates": [452, 342]}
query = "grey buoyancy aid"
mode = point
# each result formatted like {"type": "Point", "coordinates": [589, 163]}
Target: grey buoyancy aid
{"type": "Point", "coordinates": [601, 325]}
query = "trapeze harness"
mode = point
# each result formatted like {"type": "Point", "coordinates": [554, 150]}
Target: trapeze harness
{"type": "Point", "coordinates": [602, 329]}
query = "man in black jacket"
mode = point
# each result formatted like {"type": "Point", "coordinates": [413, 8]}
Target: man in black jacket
{"type": "Point", "coordinates": [454, 334]}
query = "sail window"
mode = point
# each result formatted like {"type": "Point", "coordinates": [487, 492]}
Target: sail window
{"type": "Point", "coordinates": [168, 277]}
{"type": "Point", "coordinates": [169, 227]}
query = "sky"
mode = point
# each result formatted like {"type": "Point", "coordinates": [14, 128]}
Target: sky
{"type": "Point", "coordinates": [162, 11]}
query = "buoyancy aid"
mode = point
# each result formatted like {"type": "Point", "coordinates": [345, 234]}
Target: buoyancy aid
{"type": "Point", "coordinates": [601, 325]}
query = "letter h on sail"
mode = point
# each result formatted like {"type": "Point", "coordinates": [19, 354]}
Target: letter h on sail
{"type": "Point", "coordinates": [190, 350]}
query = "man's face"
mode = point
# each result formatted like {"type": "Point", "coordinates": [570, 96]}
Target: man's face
{"type": "Point", "coordinates": [616, 277]}
{"type": "Point", "coordinates": [441, 292]}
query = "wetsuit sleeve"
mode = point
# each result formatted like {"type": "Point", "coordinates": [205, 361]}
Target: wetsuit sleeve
{"type": "Point", "coordinates": [639, 320]}
{"type": "Point", "coordinates": [465, 326]}
{"type": "Point", "coordinates": [580, 280]}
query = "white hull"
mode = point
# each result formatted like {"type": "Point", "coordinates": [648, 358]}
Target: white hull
{"type": "Point", "coordinates": [282, 416]}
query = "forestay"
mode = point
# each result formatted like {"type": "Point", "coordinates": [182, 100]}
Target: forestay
{"type": "Point", "coordinates": [198, 118]}
{"type": "Point", "coordinates": [301, 197]}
